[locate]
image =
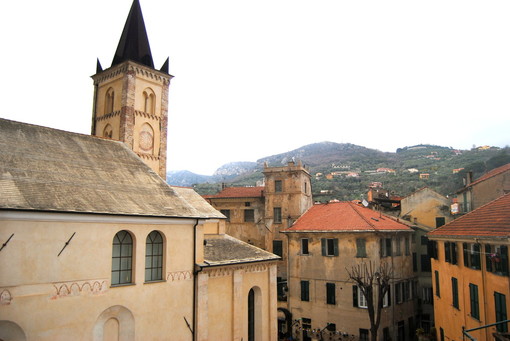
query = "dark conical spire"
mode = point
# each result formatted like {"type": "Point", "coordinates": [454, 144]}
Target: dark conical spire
{"type": "Point", "coordinates": [134, 43]}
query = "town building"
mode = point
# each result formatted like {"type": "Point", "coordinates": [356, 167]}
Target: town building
{"type": "Point", "coordinates": [328, 241]}
{"type": "Point", "coordinates": [471, 274]}
{"type": "Point", "coordinates": [426, 210]}
{"type": "Point", "coordinates": [97, 246]}
{"type": "Point", "coordinates": [257, 215]}
{"type": "Point", "coordinates": [486, 188]}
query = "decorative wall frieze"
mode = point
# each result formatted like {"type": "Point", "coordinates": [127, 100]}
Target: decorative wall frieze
{"type": "Point", "coordinates": [79, 288]}
{"type": "Point", "coordinates": [147, 115]}
{"type": "Point", "coordinates": [109, 115]}
{"type": "Point", "coordinates": [228, 270]}
{"type": "Point", "coordinates": [179, 276]}
{"type": "Point", "coordinates": [148, 156]}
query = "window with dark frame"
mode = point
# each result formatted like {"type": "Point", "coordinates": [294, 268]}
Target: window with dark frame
{"type": "Point", "coordinates": [455, 293]}
{"type": "Point", "coordinates": [501, 313]}
{"type": "Point", "coordinates": [361, 251]}
{"type": "Point", "coordinates": [304, 246]}
{"type": "Point", "coordinates": [363, 335]}
{"type": "Point", "coordinates": [329, 246]}
{"type": "Point", "coordinates": [226, 213]}
{"type": "Point", "coordinates": [305, 291]}
{"type": "Point", "coordinates": [277, 215]}
{"type": "Point", "coordinates": [249, 216]}
{"type": "Point", "coordinates": [306, 324]}
{"type": "Point", "coordinates": [438, 289]}
{"type": "Point", "coordinates": [278, 247]}
{"type": "Point", "coordinates": [330, 293]}
{"type": "Point", "coordinates": [385, 247]}
{"type": "Point", "coordinates": [450, 252]}
{"type": "Point", "coordinates": [496, 259]}
{"type": "Point", "coordinates": [278, 186]}
{"type": "Point", "coordinates": [122, 258]}
{"type": "Point", "coordinates": [471, 253]}
{"type": "Point", "coordinates": [154, 257]}
{"type": "Point", "coordinates": [474, 303]}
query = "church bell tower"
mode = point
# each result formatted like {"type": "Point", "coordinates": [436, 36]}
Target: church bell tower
{"type": "Point", "coordinates": [131, 96]}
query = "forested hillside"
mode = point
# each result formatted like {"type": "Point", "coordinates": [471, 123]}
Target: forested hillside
{"type": "Point", "coordinates": [345, 171]}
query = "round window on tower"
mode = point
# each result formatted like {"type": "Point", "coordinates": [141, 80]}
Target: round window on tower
{"type": "Point", "coordinates": [146, 142]}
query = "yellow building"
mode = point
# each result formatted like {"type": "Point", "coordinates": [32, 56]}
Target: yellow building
{"type": "Point", "coordinates": [471, 274]}
{"type": "Point", "coordinates": [326, 242]}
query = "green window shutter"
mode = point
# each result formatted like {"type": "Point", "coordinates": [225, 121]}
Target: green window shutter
{"type": "Point", "coordinates": [335, 246]}
{"type": "Point", "coordinates": [324, 246]}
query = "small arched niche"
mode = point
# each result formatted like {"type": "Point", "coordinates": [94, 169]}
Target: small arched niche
{"type": "Point", "coordinates": [115, 323]}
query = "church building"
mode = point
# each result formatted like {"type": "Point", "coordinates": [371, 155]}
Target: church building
{"type": "Point", "coordinates": [95, 245]}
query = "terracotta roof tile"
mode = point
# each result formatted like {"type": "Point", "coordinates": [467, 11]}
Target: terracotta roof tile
{"type": "Point", "coordinates": [345, 217]}
{"type": "Point", "coordinates": [240, 192]}
{"type": "Point", "coordinates": [490, 220]}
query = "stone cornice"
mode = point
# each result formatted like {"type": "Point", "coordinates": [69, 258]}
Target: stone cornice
{"type": "Point", "coordinates": [147, 115]}
{"type": "Point", "coordinates": [130, 66]}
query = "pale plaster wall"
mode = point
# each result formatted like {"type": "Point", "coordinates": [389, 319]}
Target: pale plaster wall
{"type": "Point", "coordinates": [61, 297]}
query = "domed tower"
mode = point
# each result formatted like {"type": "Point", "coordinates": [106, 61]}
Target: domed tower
{"type": "Point", "coordinates": [131, 96]}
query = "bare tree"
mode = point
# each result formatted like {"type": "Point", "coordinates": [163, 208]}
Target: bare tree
{"type": "Point", "coordinates": [374, 283]}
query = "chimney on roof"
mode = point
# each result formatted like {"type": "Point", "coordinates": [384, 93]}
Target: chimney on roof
{"type": "Point", "coordinates": [469, 177]}
{"type": "Point", "coordinates": [223, 186]}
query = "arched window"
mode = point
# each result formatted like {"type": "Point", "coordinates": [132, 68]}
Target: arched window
{"type": "Point", "coordinates": [122, 258]}
{"type": "Point", "coordinates": [110, 95]}
{"type": "Point", "coordinates": [108, 131]}
{"type": "Point", "coordinates": [254, 314]}
{"type": "Point", "coordinates": [251, 315]}
{"type": "Point", "coordinates": [146, 142]}
{"type": "Point", "coordinates": [154, 257]}
{"type": "Point", "coordinates": [149, 101]}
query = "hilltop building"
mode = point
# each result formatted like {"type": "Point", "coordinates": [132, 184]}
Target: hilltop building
{"type": "Point", "coordinates": [324, 302]}
{"type": "Point", "coordinates": [471, 274]}
{"type": "Point", "coordinates": [96, 245]}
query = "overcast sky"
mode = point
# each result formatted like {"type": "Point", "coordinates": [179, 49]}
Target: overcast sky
{"type": "Point", "coordinates": [258, 78]}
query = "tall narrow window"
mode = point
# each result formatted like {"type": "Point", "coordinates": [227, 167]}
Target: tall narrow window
{"type": "Point", "coordinates": [304, 246]}
{"type": "Point", "coordinates": [154, 257]}
{"type": "Point", "coordinates": [278, 248]}
{"type": "Point", "coordinates": [109, 99]}
{"type": "Point", "coordinates": [438, 291]}
{"type": "Point", "coordinates": [278, 186]}
{"type": "Point", "coordinates": [251, 315]}
{"type": "Point", "coordinates": [500, 306]}
{"type": "Point", "coordinates": [149, 101]}
{"type": "Point", "coordinates": [122, 258]}
{"type": "Point", "coordinates": [473, 298]}
{"type": "Point", "coordinates": [226, 213]}
{"type": "Point", "coordinates": [305, 291]}
{"type": "Point", "coordinates": [330, 293]}
{"type": "Point", "coordinates": [108, 131]}
{"type": "Point", "coordinates": [361, 247]}
{"type": "Point", "coordinates": [455, 293]}
{"type": "Point", "coordinates": [277, 212]}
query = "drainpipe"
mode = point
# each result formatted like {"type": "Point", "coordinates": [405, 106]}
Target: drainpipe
{"type": "Point", "coordinates": [196, 269]}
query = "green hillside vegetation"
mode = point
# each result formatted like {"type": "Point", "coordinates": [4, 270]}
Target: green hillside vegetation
{"type": "Point", "coordinates": [327, 157]}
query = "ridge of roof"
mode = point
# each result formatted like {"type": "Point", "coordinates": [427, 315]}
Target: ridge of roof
{"type": "Point", "coordinates": [134, 42]}
{"type": "Point", "coordinates": [239, 192]}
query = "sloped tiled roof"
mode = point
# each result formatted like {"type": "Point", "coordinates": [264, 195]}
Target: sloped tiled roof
{"type": "Point", "coordinates": [491, 220]}
{"type": "Point", "coordinates": [44, 169]}
{"type": "Point", "coordinates": [224, 250]}
{"type": "Point", "coordinates": [490, 174]}
{"type": "Point", "coordinates": [345, 217]}
{"type": "Point", "coordinates": [240, 192]}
